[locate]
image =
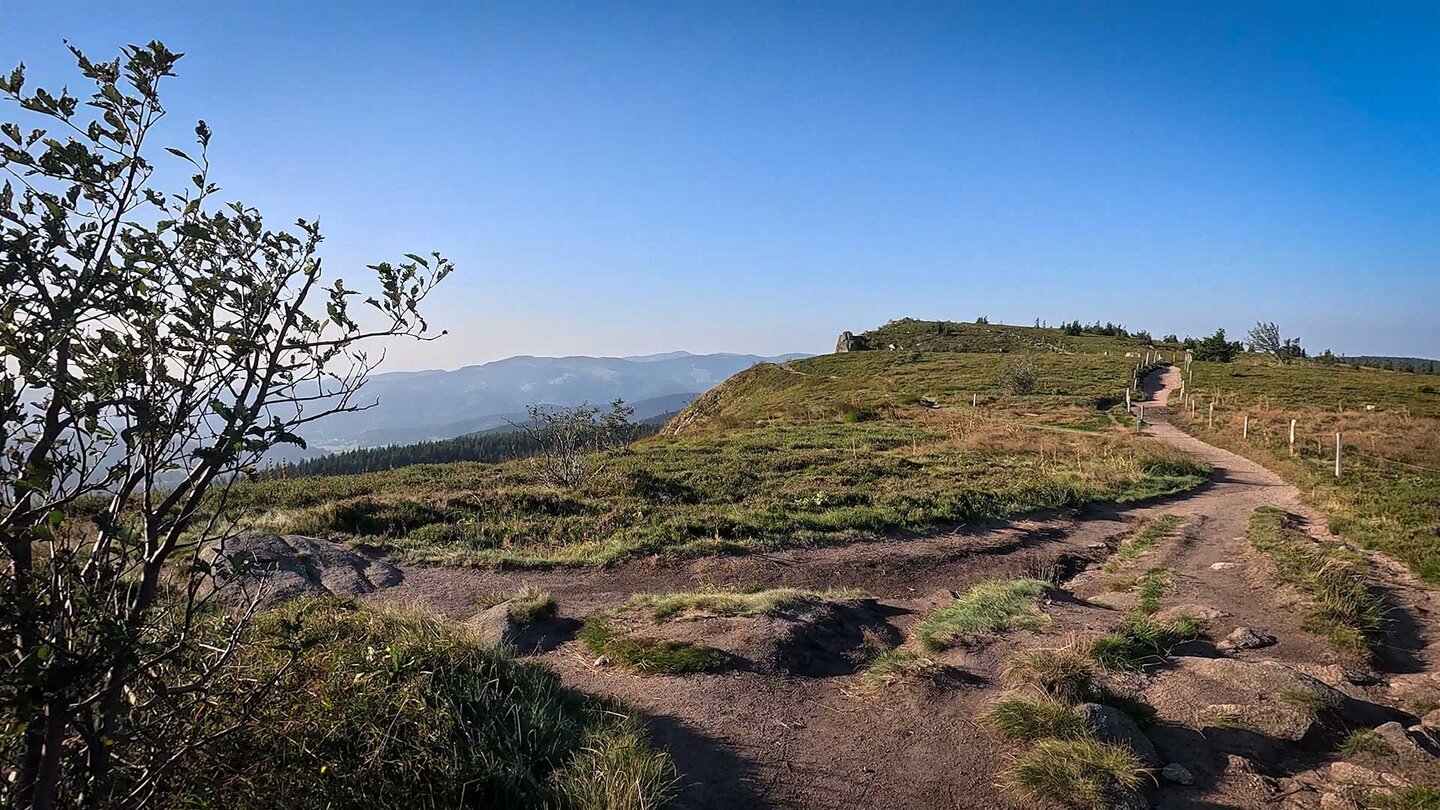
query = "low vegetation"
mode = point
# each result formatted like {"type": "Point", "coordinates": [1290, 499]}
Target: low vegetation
{"type": "Point", "coordinates": [1079, 773]}
{"type": "Point", "coordinates": [1065, 674]}
{"type": "Point", "coordinates": [991, 606]}
{"type": "Point", "coordinates": [1336, 581]}
{"type": "Point", "coordinates": [1142, 541]}
{"type": "Point", "coordinates": [1388, 497]}
{"type": "Point", "coordinates": [531, 606]}
{"type": "Point", "coordinates": [390, 710]}
{"type": "Point", "coordinates": [827, 449]}
{"type": "Point", "coordinates": [697, 604]}
{"type": "Point", "coordinates": [1141, 642]}
{"type": "Point", "coordinates": [1026, 719]}
{"type": "Point", "coordinates": [1365, 741]}
{"type": "Point", "coordinates": [648, 656]}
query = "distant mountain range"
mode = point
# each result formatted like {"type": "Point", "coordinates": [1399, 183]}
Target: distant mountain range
{"type": "Point", "coordinates": [423, 405]}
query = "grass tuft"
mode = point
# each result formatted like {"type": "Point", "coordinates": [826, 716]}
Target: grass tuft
{"type": "Point", "coordinates": [531, 606]}
{"type": "Point", "coordinates": [1024, 719]}
{"type": "Point", "coordinates": [1412, 798]}
{"type": "Point", "coordinates": [1365, 741]}
{"type": "Point", "coordinates": [1143, 541]}
{"type": "Point", "coordinates": [1065, 674]}
{"type": "Point", "coordinates": [1142, 641]}
{"type": "Point", "coordinates": [697, 604]}
{"type": "Point", "coordinates": [647, 655]}
{"type": "Point", "coordinates": [991, 606]}
{"type": "Point", "coordinates": [893, 665]}
{"type": "Point", "coordinates": [1345, 610]}
{"type": "Point", "coordinates": [1080, 773]}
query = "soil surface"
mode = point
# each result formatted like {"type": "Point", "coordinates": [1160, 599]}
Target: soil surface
{"type": "Point", "coordinates": [816, 734]}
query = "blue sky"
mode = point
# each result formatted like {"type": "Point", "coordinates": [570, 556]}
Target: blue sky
{"type": "Point", "coordinates": [728, 176]}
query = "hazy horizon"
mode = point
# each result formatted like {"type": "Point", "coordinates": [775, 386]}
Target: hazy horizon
{"type": "Point", "coordinates": [624, 179]}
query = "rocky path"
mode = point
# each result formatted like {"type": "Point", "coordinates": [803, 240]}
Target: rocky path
{"type": "Point", "coordinates": [814, 737]}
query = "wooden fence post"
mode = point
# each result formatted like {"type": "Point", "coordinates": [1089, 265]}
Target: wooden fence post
{"type": "Point", "coordinates": [1337, 454]}
{"type": "Point", "coordinates": [1292, 437]}
{"type": "Point", "coordinates": [1246, 433]}
{"type": "Point", "coordinates": [1212, 414]}
{"type": "Point", "coordinates": [1127, 400]}
{"type": "Point", "coordinates": [974, 400]}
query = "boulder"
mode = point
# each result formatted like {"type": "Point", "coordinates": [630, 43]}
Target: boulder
{"type": "Point", "coordinates": [272, 568]}
{"type": "Point", "coordinates": [1177, 773]}
{"type": "Point", "coordinates": [1267, 697]}
{"type": "Point", "coordinates": [1110, 725]}
{"type": "Point", "coordinates": [1246, 638]}
{"type": "Point", "coordinates": [495, 626]}
{"type": "Point", "coordinates": [1414, 742]}
{"type": "Point", "coordinates": [1348, 773]}
{"type": "Point", "coordinates": [1201, 613]}
{"type": "Point", "coordinates": [850, 342]}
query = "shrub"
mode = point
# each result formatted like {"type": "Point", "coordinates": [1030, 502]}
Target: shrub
{"type": "Point", "coordinates": [1018, 377]}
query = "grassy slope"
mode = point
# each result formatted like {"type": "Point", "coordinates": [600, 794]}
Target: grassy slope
{"type": "Point", "coordinates": [1386, 499]}
{"type": "Point", "coordinates": [827, 448]}
{"type": "Point", "coordinates": [387, 710]}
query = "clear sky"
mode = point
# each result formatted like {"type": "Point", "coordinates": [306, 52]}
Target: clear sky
{"type": "Point", "coordinates": [755, 177]}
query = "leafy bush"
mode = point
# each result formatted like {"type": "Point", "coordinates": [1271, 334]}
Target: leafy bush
{"type": "Point", "coordinates": [1018, 377]}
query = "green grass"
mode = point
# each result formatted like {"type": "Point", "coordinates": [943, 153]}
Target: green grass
{"type": "Point", "coordinates": [1305, 699]}
{"type": "Point", "coordinates": [1151, 589]}
{"type": "Point", "coordinates": [647, 655]}
{"type": "Point", "coordinates": [893, 665]}
{"type": "Point", "coordinates": [1065, 674]}
{"type": "Point", "coordinates": [532, 605]}
{"type": "Point", "coordinates": [695, 604]}
{"type": "Point", "coordinates": [1141, 642]}
{"type": "Point", "coordinates": [827, 450]}
{"type": "Point", "coordinates": [991, 606]}
{"type": "Point", "coordinates": [1365, 741]}
{"type": "Point", "coordinates": [1024, 719]}
{"type": "Point", "coordinates": [390, 710]}
{"type": "Point", "coordinates": [1388, 497]}
{"type": "Point", "coordinates": [1142, 541]}
{"type": "Point", "coordinates": [1345, 611]}
{"type": "Point", "coordinates": [1411, 798]}
{"type": "Point", "coordinates": [1079, 773]}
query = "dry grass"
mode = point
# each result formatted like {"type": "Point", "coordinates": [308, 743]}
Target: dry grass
{"type": "Point", "coordinates": [1079, 773]}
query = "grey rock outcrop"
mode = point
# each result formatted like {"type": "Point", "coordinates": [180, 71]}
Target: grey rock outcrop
{"type": "Point", "coordinates": [1115, 727]}
{"type": "Point", "coordinates": [272, 568]}
{"type": "Point", "coordinates": [850, 342]}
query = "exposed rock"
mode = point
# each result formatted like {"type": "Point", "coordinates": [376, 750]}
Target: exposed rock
{"type": "Point", "coordinates": [1234, 763]}
{"type": "Point", "coordinates": [1246, 638]}
{"type": "Point", "coordinates": [850, 342]}
{"type": "Point", "coordinates": [1115, 727]}
{"type": "Point", "coordinates": [1253, 696]}
{"type": "Point", "coordinates": [1431, 719]}
{"type": "Point", "coordinates": [1223, 566]}
{"type": "Point", "coordinates": [1189, 611]}
{"type": "Point", "coordinates": [1334, 801]}
{"type": "Point", "coordinates": [1403, 741]}
{"type": "Point", "coordinates": [495, 626]}
{"type": "Point", "coordinates": [1177, 773]}
{"type": "Point", "coordinates": [1348, 773]}
{"type": "Point", "coordinates": [1360, 677]}
{"type": "Point", "coordinates": [272, 568]}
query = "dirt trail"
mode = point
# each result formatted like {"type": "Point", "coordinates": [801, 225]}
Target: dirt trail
{"type": "Point", "coordinates": [749, 738]}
